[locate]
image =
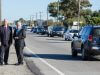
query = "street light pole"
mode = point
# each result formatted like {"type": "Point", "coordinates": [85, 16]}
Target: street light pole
{"type": "Point", "coordinates": [0, 13]}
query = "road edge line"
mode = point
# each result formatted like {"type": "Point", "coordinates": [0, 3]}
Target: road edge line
{"type": "Point", "coordinates": [52, 67]}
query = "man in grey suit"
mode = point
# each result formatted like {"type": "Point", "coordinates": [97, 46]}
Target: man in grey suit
{"type": "Point", "coordinates": [6, 41]}
{"type": "Point", "coordinates": [19, 36]}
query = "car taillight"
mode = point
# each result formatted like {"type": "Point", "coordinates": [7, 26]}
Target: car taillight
{"type": "Point", "coordinates": [90, 38]}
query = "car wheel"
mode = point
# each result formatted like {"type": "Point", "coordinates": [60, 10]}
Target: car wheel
{"type": "Point", "coordinates": [48, 35]}
{"type": "Point", "coordinates": [51, 35]}
{"type": "Point", "coordinates": [65, 39]}
{"type": "Point", "coordinates": [84, 54]}
{"type": "Point", "coordinates": [74, 52]}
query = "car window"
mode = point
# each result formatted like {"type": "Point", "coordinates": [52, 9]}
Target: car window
{"type": "Point", "coordinates": [58, 28]}
{"type": "Point", "coordinates": [67, 31]}
{"type": "Point", "coordinates": [88, 30]}
{"type": "Point", "coordinates": [96, 32]}
{"type": "Point", "coordinates": [74, 31]}
{"type": "Point", "coordinates": [80, 33]}
{"type": "Point", "coordinates": [83, 31]}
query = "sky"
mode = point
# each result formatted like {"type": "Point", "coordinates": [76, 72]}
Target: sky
{"type": "Point", "coordinates": [15, 9]}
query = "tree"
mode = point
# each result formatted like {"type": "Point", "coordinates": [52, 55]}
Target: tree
{"type": "Point", "coordinates": [52, 8]}
{"type": "Point", "coordinates": [22, 21]}
{"type": "Point", "coordinates": [95, 18]}
{"type": "Point", "coordinates": [48, 22]}
{"type": "Point", "coordinates": [69, 9]}
{"type": "Point", "coordinates": [96, 14]}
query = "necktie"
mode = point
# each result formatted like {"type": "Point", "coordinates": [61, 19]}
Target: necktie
{"type": "Point", "coordinates": [5, 33]}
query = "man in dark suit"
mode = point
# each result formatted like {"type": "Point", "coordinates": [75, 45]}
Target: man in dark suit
{"type": "Point", "coordinates": [19, 36]}
{"type": "Point", "coordinates": [6, 41]}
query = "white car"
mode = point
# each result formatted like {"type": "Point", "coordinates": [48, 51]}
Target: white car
{"type": "Point", "coordinates": [69, 34]}
{"type": "Point", "coordinates": [29, 28]}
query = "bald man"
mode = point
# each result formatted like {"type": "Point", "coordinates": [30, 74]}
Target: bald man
{"type": "Point", "coordinates": [6, 41]}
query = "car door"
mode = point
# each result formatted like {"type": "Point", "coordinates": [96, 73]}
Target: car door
{"type": "Point", "coordinates": [80, 39]}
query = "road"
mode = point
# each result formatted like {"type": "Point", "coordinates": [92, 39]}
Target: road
{"type": "Point", "coordinates": [52, 55]}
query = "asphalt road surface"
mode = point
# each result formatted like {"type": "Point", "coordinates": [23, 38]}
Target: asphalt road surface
{"type": "Point", "coordinates": [52, 55]}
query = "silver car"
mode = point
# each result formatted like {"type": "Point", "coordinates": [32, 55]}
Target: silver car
{"type": "Point", "coordinates": [69, 34]}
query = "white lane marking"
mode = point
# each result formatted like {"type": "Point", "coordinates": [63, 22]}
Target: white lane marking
{"type": "Point", "coordinates": [55, 69]}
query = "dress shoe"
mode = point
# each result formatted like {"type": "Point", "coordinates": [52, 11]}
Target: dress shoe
{"type": "Point", "coordinates": [19, 63]}
{"type": "Point", "coordinates": [1, 64]}
{"type": "Point", "coordinates": [6, 63]}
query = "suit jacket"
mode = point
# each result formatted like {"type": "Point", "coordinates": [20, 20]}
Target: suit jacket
{"type": "Point", "coordinates": [6, 37]}
{"type": "Point", "coordinates": [20, 42]}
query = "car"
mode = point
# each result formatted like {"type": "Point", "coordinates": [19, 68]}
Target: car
{"type": "Point", "coordinates": [69, 34]}
{"type": "Point", "coordinates": [24, 27]}
{"type": "Point", "coordinates": [39, 30]}
{"type": "Point", "coordinates": [29, 28]}
{"type": "Point", "coordinates": [34, 30]}
{"type": "Point", "coordinates": [87, 42]}
{"type": "Point", "coordinates": [56, 31]}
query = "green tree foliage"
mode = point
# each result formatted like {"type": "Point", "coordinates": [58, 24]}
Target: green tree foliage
{"type": "Point", "coordinates": [96, 14]}
{"type": "Point", "coordinates": [69, 9]}
{"type": "Point", "coordinates": [22, 21]}
{"type": "Point", "coordinates": [52, 8]}
{"type": "Point", "coordinates": [95, 20]}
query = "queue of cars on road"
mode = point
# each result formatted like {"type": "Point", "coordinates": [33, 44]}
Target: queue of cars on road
{"type": "Point", "coordinates": [85, 41]}
{"type": "Point", "coordinates": [56, 30]}
{"type": "Point", "coordinates": [50, 31]}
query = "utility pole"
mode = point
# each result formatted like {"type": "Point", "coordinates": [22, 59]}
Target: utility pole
{"type": "Point", "coordinates": [58, 12]}
{"type": "Point", "coordinates": [36, 16]}
{"type": "Point", "coordinates": [78, 14]}
{"type": "Point", "coordinates": [0, 13]}
{"type": "Point", "coordinates": [47, 16]}
{"type": "Point", "coordinates": [40, 15]}
{"type": "Point", "coordinates": [36, 19]}
{"type": "Point", "coordinates": [31, 19]}
{"type": "Point", "coordinates": [40, 18]}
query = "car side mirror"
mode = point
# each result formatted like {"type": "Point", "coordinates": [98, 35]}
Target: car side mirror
{"type": "Point", "coordinates": [75, 36]}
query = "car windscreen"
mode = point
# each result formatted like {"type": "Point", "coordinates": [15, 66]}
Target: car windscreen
{"type": "Point", "coordinates": [58, 28]}
{"type": "Point", "coordinates": [74, 31]}
{"type": "Point", "coordinates": [96, 32]}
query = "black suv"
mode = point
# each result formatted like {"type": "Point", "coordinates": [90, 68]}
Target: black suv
{"type": "Point", "coordinates": [56, 31]}
{"type": "Point", "coordinates": [87, 42]}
